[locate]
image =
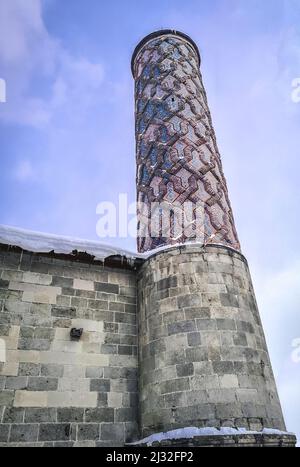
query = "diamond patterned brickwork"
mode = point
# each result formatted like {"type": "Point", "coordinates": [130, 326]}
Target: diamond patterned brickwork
{"type": "Point", "coordinates": [177, 155]}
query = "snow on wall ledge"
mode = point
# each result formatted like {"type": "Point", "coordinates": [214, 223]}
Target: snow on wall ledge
{"type": "Point", "coordinates": [39, 242]}
{"type": "Point", "coordinates": [192, 432]}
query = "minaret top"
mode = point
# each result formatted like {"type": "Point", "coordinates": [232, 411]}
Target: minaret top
{"type": "Point", "coordinates": [163, 32]}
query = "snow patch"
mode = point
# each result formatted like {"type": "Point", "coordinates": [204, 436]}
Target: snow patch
{"type": "Point", "coordinates": [191, 432]}
{"type": "Point", "coordinates": [39, 242]}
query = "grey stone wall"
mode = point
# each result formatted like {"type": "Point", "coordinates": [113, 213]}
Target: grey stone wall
{"type": "Point", "coordinates": [203, 355]}
{"type": "Point", "coordinates": [54, 391]}
{"type": "Point", "coordinates": [203, 359]}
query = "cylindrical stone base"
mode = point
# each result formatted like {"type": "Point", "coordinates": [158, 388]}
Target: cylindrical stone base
{"type": "Point", "coordinates": [202, 351]}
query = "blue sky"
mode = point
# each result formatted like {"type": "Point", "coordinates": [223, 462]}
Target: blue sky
{"type": "Point", "coordinates": [67, 129]}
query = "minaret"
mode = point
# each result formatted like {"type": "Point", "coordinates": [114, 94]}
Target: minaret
{"type": "Point", "coordinates": [202, 352]}
{"type": "Point", "coordinates": [178, 162]}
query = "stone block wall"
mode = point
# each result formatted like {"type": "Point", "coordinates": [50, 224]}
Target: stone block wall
{"type": "Point", "coordinates": [203, 355]}
{"type": "Point", "coordinates": [202, 360]}
{"type": "Point", "coordinates": [58, 392]}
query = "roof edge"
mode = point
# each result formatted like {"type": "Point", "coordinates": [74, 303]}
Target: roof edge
{"type": "Point", "coordinates": [162, 32]}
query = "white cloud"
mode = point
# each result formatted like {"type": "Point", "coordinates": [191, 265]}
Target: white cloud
{"type": "Point", "coordinates": [278, 295]}
{"type": "Point", "coordinates": [289, 391]}
{"type": "Point", "coordinates": [25, 44]}
{"type": "Point", "coordinates": [282, 287]}
{"type": "Point", "coordinates": [20, 24]}
{"type": "Point", "coordinates": [76, 83]}
{"type": "Point", "coordinates": [24, 171]}
{"type": "Point", "coordinates": [29, 54]}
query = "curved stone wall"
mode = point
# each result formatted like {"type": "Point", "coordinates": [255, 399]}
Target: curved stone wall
{"type": "Point", "coordinates": [202, 353]}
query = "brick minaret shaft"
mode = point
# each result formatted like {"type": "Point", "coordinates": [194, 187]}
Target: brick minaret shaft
{"type": "Point", "coordinates": [177, 155]}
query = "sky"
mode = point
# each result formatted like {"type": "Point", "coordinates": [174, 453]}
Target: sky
{"type": "Point", "coordinates": [67, 130]}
